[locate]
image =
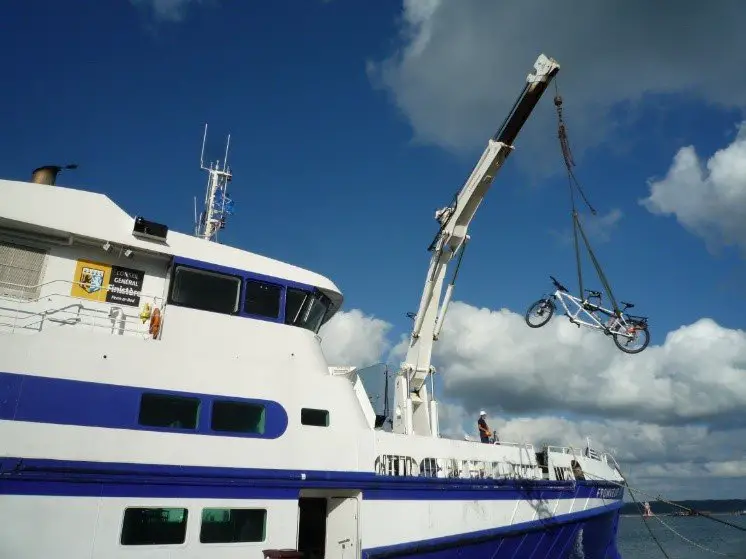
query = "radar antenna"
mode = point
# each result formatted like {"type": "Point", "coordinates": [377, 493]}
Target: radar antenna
{"type": "Point", "coordinates": [217, 205]}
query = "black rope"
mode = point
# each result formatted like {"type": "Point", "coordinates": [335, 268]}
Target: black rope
{"type": "Point", "coordinates": [662, 500]}
{"type": "Point", "coordinates": [573, 185]}
{"type": "Point", "coordinates": [644, 520]}
{"type": "Point", "coordinates": [458, 263]}
{"type": "Point", "coordinates": [577, 252]}
{"type": "Point", "coordinates": [597, 265]}
{"type": "Point", "coordinates": [567, 152]}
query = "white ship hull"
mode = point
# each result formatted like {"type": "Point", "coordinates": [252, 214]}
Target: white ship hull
{"type": "Point", "coordinates": [221, 433]}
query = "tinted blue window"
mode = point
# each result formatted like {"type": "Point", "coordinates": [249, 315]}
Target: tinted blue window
{"type": "Point", "coordinates": [154, 526]}
{"type": "Point", "coordinates": [205, 290]}
{"type": "Point", "coordinates": [262, 299]}
{"type": "Point", "coordinates": [162, 410]}
{"type": "Point", "coordinates": [238, 417]}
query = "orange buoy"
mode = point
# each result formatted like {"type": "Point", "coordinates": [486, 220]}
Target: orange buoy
{"type": "Point", "coordinates": [155, 322]}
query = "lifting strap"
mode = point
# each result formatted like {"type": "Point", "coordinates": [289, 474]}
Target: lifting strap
{"type": "Point", "coordinates": [573, 185]}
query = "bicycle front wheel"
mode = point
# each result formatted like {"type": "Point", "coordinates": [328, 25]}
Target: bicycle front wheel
{"type": "Point", "coordinates": [539, 313]}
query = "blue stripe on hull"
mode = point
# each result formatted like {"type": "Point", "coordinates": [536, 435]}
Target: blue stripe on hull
{"type": "Point", "coordinates": [20, 476]}
{"type": "Point", "coordinates": [587, 534]}
{"type": "Point", "coordinates": [60, 401]}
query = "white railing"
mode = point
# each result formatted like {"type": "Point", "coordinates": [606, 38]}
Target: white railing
{"type": "Point", "coordinates": [55, 307]}
{"type": "Point", "coordinates": [587, 452]}
{"type": "Point", "coordinates": [523, 466]}
{"type": "Point", "coordinates": [397, 465]}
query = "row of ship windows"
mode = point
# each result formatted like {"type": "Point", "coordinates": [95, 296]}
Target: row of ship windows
{"type": "Point", "coordinates": [220, 292]}
{"type": "Point", "coordinates": [191, 287]}
{"type": "Point", "coordinates": [168, 526]}
{"type": "Point", "coordinates": [182, 412]}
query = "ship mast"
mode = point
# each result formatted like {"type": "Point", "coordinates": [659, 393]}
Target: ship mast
{"type": "Point", "coordinates": [217, 205]}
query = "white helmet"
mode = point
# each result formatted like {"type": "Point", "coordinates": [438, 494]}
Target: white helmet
{"type": "Point", "coordinates": [481, 413]}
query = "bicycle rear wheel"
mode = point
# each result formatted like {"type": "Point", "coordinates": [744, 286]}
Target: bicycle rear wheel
{"type": "Point", "coordinates": [543, 309]}
{"type": "Point", "coordinates": [628, 345]}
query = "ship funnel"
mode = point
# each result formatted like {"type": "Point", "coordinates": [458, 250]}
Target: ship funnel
{"type": "Point", "coordinates": [48, 173]}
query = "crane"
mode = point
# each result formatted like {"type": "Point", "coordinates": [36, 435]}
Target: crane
{"type": "Point", "coordinates": [415, 408]}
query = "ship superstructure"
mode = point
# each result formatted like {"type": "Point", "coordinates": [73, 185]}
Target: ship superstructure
{"type": "Point", "coordinates": [164, 395]}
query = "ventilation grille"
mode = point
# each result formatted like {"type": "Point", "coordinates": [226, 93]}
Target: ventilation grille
{"type": "Point", "coordinates": [21, 270]}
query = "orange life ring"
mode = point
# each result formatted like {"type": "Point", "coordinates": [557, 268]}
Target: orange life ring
{"type": "Point", "coordinates": [155, 322]}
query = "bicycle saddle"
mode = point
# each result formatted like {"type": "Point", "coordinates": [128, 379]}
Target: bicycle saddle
{"type": "Point", "coordinates": [594, 293]}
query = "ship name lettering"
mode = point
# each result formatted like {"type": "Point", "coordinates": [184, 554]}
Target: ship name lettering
{"type": "Point", "coordinates": [609, 492]}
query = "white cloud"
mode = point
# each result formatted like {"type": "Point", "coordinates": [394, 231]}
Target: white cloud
{"type": "Point", "coordinates": [598, 228]}
{"type": "Point", "coordinates": [354, 338]}
{"type": "Point", "coordinates": [708, 198]}
{"type": "Point", "coordinates": [462, 63]}
{"type": "Point", "coordinates": [167, 10]}
{"type": "Point", "coordinates": [671, 414]}
{"type": "Point", "coordinates": [492, 358]}
{"type": "Point", "coordinates": [656, 459]}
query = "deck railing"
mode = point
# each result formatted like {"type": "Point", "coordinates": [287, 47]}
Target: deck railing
{"type": "Point", "coordinates": [560, 464]}
{"type": "Point", "coordinates": [55, 307]}
{"type": "Point", "coordinates": [522, 466]}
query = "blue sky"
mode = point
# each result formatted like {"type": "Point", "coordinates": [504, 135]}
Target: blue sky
{"type": "Point", "coordinates": [340, 171]}
{"type": "Point", "coordinates": [326, 174]}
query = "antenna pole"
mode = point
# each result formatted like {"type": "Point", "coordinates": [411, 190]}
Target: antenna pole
{"type": "Point", "coordinates": [202, 155]}
{"type": "Point", "coordinates": [217, 205]}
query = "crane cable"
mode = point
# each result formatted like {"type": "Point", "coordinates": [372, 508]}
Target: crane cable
{"type": "Point", "coordinates": [574, 184]}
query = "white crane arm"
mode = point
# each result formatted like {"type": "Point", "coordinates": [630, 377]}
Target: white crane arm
{"type": "Point", "coordinates": [452, 237]}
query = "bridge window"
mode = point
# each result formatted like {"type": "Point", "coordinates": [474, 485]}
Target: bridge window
{"type": "Point", "coordinates": [205, 290]}
{"type": "Point", "coordinates": [305, 309]}
{"type": "Point", "coordinates": [294, 301]}
{"type": "Point", "coordinates": [233, 525]}
{"type": "Point", "coordinates": [317, 418]}
{"type": "Point", "coordinates": [238, 417]}
{"type": "Point", "coordinates": [163, 410]}
{"type": "Point", "coordinates": [21, 269]}
{"type": "Point", "coordinates": [154, 526]}
{"type": "Point", "coordinates": [262, 299]}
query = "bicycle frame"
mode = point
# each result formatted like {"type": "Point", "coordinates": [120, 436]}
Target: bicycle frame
{"type": "Point", "coordinates": [614, 324]}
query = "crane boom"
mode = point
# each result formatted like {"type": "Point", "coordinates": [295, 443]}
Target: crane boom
{"type": "Point", "coordinates": [415, 411]}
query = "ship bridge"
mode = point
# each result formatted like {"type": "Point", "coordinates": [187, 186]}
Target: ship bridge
{"type": "Point", "coordinates": [69, 256]}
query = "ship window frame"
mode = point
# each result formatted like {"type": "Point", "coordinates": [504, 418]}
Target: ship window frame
{"type": "Point", "coordinates": [261, 421]}
{"type": "Point", "coordinates": [193, 401]}
{"type": "Point", "coordinates": [178, 267]}
{"type": "Point", "coordinates": [262, 519]}
{"type": "Point", "coordinates": [183, 523]}
{"type": "Point", "coordinates": [278, 287]}
{"type": "Point", "coordinates": [313, 301]}
{"type": "Point", "coordinates": [293, 320]}
{"type": "Point", "coordinates": [315, 413]}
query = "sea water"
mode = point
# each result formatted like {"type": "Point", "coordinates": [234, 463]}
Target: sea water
{"type": "Point", "coordinates": [635, 542]}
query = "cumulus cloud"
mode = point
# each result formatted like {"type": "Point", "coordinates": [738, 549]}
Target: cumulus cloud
{"type": "Point", "coordinates": [491, 358]}
{"type": "Point", "coordinates": [598, 228]}
{"type": "Point", "coordinates": [460, 65]}
{"type": "Point", "coordinates": [354, 338]}
{"type": "Point", "coordinates": [708, 198]}
{"type": "Point", "coordinates": [167, 10]}
{"type": "Point", "coordinates": [669, 414]}
{"type": "Point", "coordinates": [653, 457]}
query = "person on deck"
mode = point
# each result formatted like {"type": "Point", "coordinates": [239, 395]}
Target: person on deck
{"type": "Point", "coordinates": [484, 431]}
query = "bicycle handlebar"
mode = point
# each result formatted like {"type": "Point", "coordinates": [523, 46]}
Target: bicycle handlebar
{"type": "Point", "coordinates": [557, 284]}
